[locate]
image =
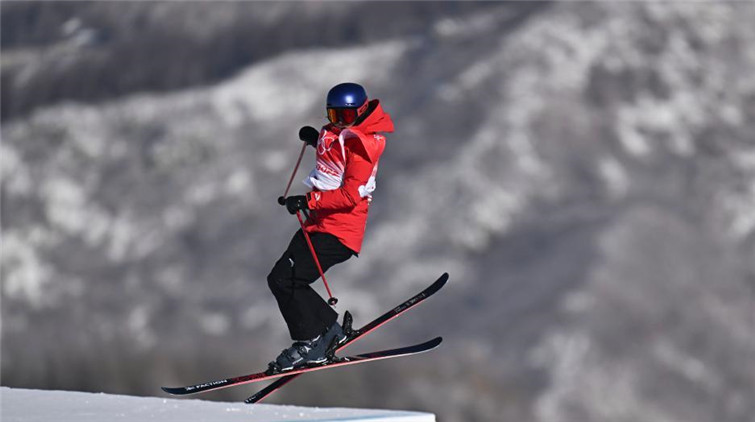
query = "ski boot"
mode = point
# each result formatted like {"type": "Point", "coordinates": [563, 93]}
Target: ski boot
{"type": "Point", "coordinates": [316, 351]}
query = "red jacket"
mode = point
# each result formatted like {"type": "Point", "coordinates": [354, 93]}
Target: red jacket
{"type": "Point", "coordinates": [344, 177]}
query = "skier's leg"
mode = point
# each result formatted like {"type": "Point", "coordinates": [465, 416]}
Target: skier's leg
{"type": "Point", "coordinates": [305, 312]}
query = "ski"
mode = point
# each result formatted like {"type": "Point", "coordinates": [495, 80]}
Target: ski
{"type": "Point", "coordinates": [285, 377]}
{"type": "Point", "coordinates": [344, 361]}
{"type": "Point", "coordinates": [355, 335]}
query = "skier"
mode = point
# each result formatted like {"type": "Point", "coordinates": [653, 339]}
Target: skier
{"type": "Point", "coordinates": [348, 150]}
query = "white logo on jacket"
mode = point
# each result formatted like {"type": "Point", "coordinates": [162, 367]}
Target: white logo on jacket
{"type": "Point", "coordinates": [325, 144]}
{"type": "Point", "coordinates": [331, 165]}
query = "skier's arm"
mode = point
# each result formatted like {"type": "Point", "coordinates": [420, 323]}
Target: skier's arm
{"type": "Point", "coordinates": [357, 173]}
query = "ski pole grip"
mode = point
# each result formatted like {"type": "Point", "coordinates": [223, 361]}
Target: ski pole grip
{"type": "Point", "coordinates": [282, 200]}
{"type": "Point", "coordinates": [309, 135]}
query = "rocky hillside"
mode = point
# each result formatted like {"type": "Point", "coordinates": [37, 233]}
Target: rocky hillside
{"type": "Point", "coordinates": [585, 172]}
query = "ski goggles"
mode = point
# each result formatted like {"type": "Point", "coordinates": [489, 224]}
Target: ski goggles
{"type": "Point", "coordinates": [343, 116]}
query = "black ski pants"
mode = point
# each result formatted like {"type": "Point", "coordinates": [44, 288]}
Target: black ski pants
{"type": "Point", "coordinates": [305, 312]}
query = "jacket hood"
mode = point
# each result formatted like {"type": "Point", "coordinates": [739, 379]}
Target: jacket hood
{"type": "Point", "coordinates": [377, 120]}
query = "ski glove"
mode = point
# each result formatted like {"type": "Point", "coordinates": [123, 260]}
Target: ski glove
{"type": "Point", "coordinates": [296, 203]}
{"type": "Point", "coordinates": [309, 135]}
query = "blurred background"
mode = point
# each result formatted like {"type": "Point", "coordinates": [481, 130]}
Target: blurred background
{"type": "Point", "coordinates": [585, 171]}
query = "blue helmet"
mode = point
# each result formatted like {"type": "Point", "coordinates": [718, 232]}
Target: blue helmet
{"type": "Point", "coordinates": [346, 95]}
{"type": "Point", "coordinates": [346, 103]}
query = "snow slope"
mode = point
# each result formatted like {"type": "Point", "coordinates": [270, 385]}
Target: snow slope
{"type": "Point", "coordinates": [62, 406]}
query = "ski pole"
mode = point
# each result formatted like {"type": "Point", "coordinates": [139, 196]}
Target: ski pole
{"type": "Point", "coordinates": [332, 300]}
{"type": "Point", "coordinates": [282, 199]}
{"type": "Point", "coordinates": [309, 135]}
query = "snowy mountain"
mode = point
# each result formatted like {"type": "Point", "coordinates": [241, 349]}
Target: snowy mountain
{"type": "Point", "coordinates": [19, 405]}
{"type": "Point", "coordinates": [584, 171]}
